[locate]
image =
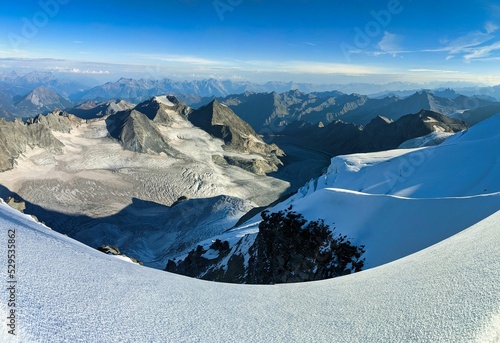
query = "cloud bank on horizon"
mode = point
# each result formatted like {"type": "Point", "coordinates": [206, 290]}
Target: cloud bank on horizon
{"type": "Point", "coordinates": [301, 40]}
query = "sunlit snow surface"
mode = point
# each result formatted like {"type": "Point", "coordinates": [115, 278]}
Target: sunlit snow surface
{"type": "Point", "coordinates": [68, 292]}
{"type": "Point", "coordinates": [163, 100]}
{"type": "Point", "coordinates": [398, 202]}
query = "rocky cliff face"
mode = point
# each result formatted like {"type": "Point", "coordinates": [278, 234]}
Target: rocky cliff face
{"type": "Point", "coordinates": [18, 136]}
{"type": "Point", "coordinates": [160, 109]}
{"type": "Point", "coordinates": [382, 133]}
{"type": "Point", "coordinates": [136, 132]}
{"type": "Point", "coordinates": [221, 122]}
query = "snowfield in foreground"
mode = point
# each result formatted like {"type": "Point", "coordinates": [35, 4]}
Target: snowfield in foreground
{"type": "Point", "coordinates": [68, 292]}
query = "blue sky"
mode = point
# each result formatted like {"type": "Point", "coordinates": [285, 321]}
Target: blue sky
{"type": "Point", "coordinates": [256, 40]}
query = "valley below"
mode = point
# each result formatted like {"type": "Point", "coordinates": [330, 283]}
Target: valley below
{"type": "Point", "coordinates": [102, 194]}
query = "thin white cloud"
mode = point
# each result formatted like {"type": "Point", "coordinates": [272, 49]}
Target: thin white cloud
{"type": "Point", "coordinates": [490, 27]}
{"type": "Point", "coordinates": [467, 41]}
{"type": "Point", "coordinates": [423, 70]}
{"type": "Point", "coordinates": [179, 59]}
{"type": "Point", "coordinates": [93, 72]}
{"type": "Point", "coordinates": [464, 43]}
{"type": "Point", "coordinates": [390, 42]}
{"type": "Point", "coordinates": [302, 44]}
{"type": "Point", "coordinates": [483, 51]}
{"type": "Point", "coordinates": [471, 45]}
{"type": "Point", "coordinates": [79, 70]}
{"type": "Point", "coordinates": [198, 64]}
{"type": "Point", "coordinates": [309, 67]}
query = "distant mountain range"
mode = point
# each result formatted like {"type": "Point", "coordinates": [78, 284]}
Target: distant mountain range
{"type": "Point", "coordinates": [18, 84]}
{"type": "Point", "coordinates": [272, 112]}
{"type": "Point", "coordinates": [43, 92]}
{"type": "Point", "coordinates": [266, 107]}
{"type": "Point", "coordinates": [192, 92]}
{"type": "Point", "coordinates": [381, 133]}
{"type": "Point", "coordinates": [134, 90]}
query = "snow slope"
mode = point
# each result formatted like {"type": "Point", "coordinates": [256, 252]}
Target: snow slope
{"type": "Point", "coordinates": [400, 201]}
{"type": "Point", "coordinates": [434, 138]}
{"type": "Point", "coordinates": [67, 292]}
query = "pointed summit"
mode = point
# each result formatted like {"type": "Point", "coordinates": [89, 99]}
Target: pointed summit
{"type": "Point", "coordinates": [42, 99]}
{"type": "Point", "coordinates": [221, 122]}
{"type": "Point", "coordinates": [136, 132]}
{"type": "Point", "coordinates": [161, 109]}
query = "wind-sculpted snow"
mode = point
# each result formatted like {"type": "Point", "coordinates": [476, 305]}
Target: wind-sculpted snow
{"type": "Point", "coordinates": [434, 138]}
{"type": "Point", "coordinates": [67, 292]}
{"type": "Point", "coordinates": [467, 163]}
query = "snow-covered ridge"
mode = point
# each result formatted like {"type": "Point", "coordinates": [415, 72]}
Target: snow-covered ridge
{"type": "Point", "coordinates": [401, 201]}
{"type": "Point", "coordinates": [465, 164]}
{"type": "Point", "coordinates": [434, 138]}
{"type": "Point", "coordinates": [69, 292]}
{"type": "Point", "coordinates": [163, 100]}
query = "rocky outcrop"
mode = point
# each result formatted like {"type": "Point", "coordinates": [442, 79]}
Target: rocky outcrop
{"type": "Point", "coordinates": [116, 252]}
{"type": "Point", "coordinates": [160, 109]}
{"type": "Point", "coordinates": [16, 137]}
{"type": "Point", "coordinates": [221, 122]}
{"type": "Point", "coordinates": [286, 249]}
{"type": "Point", "coordinates": [92, 109]}
{"type": "Point", "coordinates": [16, 203]}
{"type": "Point", "coordinates": [136, 132]}
{"type": "Point", "coordinates": [58, 120]}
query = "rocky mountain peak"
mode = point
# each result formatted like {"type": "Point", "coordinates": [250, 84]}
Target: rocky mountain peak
{"type": "Point", "coordinates": [136, 132]}
{"type": "Point", "coordinates": [161, 108]}
{"type": "Point", "coordinates": [379, 121]}
{"type": "Point", "coordinates": [221, 122]}
{"type": "Point", "coordinates": [42, 99]}
{"type": "Point", "coordinates": [216, 114]}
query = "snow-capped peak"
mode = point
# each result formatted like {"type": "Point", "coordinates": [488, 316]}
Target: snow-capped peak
{"type": "Point", "coordinates": [164, 100]}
